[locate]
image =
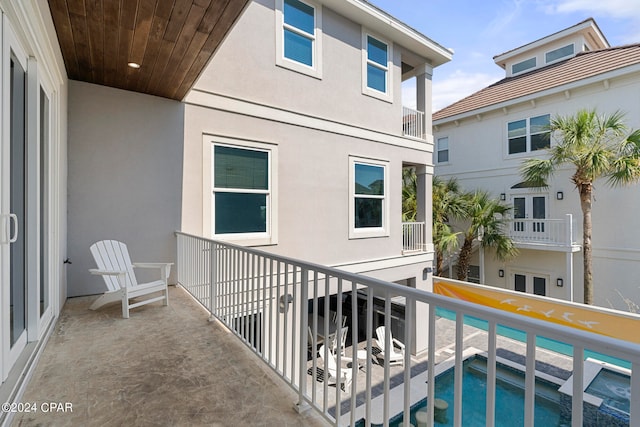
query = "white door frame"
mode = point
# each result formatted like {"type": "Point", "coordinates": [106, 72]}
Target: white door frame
{"type": "Point", "coordinates": [529, 277]}
{"type": "Point", "coordinates": [10, 45]}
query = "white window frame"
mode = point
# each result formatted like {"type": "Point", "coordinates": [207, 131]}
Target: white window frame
{"type": "Point", "coordinates": [535, 60]}
{"type": "Point", "coordinates": [388, 94]}
{"type": "Point", "coordinates": [316, 69]}
{"type": "Point", "coordinates": [270, 236]}
{"type": "Point", "coordinates": [528, 135]}
{"type": "Point", "coordinates": [562, 57]}
{"type": "Point", "coordinates": [368, 232]}
{"type": "Point", "coordinates": [438, 150]}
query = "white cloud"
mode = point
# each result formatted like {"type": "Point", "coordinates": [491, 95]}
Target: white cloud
{"type": "Point", "coordinates": [506, 16]}
{"type": "Point", "coordinates": [459, 85]}
{"type": "Point", "coordinates": [615, 8]}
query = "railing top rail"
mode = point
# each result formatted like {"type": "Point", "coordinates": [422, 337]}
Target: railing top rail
{"type": "Point", "coordinates": [619, 348]}
{"type": "Point", "coordinates": [537, 220]}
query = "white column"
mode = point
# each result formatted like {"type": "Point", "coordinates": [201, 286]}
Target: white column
{"type": "Point", "coordinates": [569, 260]}
{"type": "Point", "coordinates": [424, 95]}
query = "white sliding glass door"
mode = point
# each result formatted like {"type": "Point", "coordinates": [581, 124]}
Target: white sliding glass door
{"type": "Point", "coordinates": [25, 202]}
{"type": "Point", "coordinates": [13, 198]}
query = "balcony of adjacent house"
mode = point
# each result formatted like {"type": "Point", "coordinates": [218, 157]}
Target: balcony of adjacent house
{"type": "Point", "coordinates": [554, 234]}
{"type": "Point", "coordinates": [251, 337]}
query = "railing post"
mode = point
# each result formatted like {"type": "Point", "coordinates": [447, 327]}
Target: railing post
{"type": "Point", "coordinates": [212, 279]}
{"type": "Point", "coordinates": [302, 405]}
{"type": "Point", "coordinates": [569, 229]}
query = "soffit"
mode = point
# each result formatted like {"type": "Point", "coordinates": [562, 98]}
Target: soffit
{"type": "Point", "coordinates": [172, 40]}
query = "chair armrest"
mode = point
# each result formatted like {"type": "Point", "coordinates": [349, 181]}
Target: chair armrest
{"type": "Point", "coordinates": [152, 264]}
{"type": "Point", "coordinates": [164, 267]}
{"type": "Point", "coordinates": [398, 343]}
{"type": "Point", "coordinates": [106, 272]}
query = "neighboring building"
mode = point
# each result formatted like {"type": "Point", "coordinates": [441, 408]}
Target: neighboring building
{"type": "Point", "coordinates": [483, 139]}
{"type": "Point", "coordinates": [293, 139]}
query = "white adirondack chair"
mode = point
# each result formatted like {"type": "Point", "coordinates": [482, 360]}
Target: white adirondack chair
{"type": "Point", "coordinates": [332, 369]}
{"type": "Point", "coordinates": [393, 357]}
{"type": "Point", "coordinates": [115, 267]}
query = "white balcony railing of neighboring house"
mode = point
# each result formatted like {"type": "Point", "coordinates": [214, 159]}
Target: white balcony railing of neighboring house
{"type": "Point", "coordinates": [412, 237]}
{"type": "Point", "coordinates": [550, 232]}
{"type": "Point", "coordinates": [413, 123]}
{"type": "Point", "coordinates": [271, 303]}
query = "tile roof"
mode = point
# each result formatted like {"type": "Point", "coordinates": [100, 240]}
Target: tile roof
{"type": "Point", "coordinates": [582, 66]}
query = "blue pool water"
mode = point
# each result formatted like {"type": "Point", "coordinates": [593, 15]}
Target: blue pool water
{"type": "Point", "coordinates": [509, 398]}
{"type": "Point", "coordinates": [547, 343]}
{"type": "Point", "coordinates": [613, 388]}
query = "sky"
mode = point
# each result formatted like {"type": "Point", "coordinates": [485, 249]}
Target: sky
{"type": "Point", "coordinates": [478, 30]}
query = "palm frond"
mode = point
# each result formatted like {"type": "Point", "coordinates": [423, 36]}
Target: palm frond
{"type": "Point", "coordinates": [536, 172]}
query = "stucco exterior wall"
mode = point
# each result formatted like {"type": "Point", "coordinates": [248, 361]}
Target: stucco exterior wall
{"type": "Point", "coordinates": [313, 185]}
{"type": "Point", "coordinates": [478, 159]}
{"type": "Point", "coordinates": [125, 177]}
{"type": "Point", "coordinates": [245, 67]}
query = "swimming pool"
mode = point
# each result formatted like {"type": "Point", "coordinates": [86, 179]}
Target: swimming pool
{"type": "Point", "coordinates": [547, 343]}
{"type": "Point", "coordinates": [509, 398]}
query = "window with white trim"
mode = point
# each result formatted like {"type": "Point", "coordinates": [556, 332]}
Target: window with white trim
{"type": "Point", "coordinates": [442, 150]}
{"type": "Point", "coordinates": [560, 53]}
{"type": "Point", "coordinates": [523, 66]}
{"type": "Point", "coordinates": [298, 36]}
{"type": "Point", "coordinates": [368, 203]}
{"type": "Point", "coordinates": [242, 191]}
{"type": "Point", "coordinates": [376, 67]}
{"type": "Point", "coordinates": [529, 135]}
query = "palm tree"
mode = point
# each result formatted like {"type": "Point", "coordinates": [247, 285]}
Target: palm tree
{"type": "Point", "coordinates": [448, 203]}
{"type": "Point", "coordinates": [596, 146]}
{"type": "Point", "coordinates": [409, 194]}
{"type": "Point", "coordinates": [486, 218]}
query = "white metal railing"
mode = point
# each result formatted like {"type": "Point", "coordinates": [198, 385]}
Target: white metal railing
{"type": "Point", "coordinates": [413, 237]}
{"type": "Point", "coordinates": [557, 232]}
{"type": "Point", "coordinates": [272, 303]}
{"type": "Point", "coordinates": [412, 122]}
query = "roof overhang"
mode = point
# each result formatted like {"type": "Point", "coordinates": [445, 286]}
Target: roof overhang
{"type": "Point", "coordinates": [588, 28]}
{"type": "Point", "coordinates": [171, 41]}
{"type": "Point", "coordinates": [562, 89]}
{"type": "Point", "coordinates": [386, 25]}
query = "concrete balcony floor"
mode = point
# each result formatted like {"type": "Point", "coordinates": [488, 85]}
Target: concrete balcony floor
{"type": "Point", "coordinates": [164, 366]}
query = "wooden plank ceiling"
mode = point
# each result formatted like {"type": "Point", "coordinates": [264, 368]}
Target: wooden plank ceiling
{"type": "Point", "coordinates": [172, 40]}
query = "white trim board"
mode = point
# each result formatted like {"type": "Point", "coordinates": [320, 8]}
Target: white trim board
{"type": "Point", "coordinates": [266, 112]}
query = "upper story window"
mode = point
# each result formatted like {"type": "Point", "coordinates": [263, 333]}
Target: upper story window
{"type": "Point", "coordinates": [528, 135]}
{"type": "Point", "coordinates": [523, 66]}
{"type": "Point", "coordinates": [369, 207]}
{"type": "Point", "coordinates": [242, 192]}
{"type": "Point", "coordinates": [442, 150]}
{"type": "Point", "coordinates": [559, 53]}
{"type": "Point", "coordinates": [376, 67]}
{"type": "Point", "coordinates": [298, 36]}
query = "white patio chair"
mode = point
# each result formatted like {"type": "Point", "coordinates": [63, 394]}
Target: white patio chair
{"type": "Point", "coordinates": [343, 341]}
{"type": "Point", "coordinates": [334, 319]}
{"type": "Point", "coordinates": [394, 357]}
{"type": "Point", "coordinates": [115, 267]}
{"type": "Point", "coordinates": [331, 370]}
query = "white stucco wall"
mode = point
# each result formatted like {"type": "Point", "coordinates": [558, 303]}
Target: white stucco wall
{"type": "Point", "coordinates": [313, 185]}
{"type": "Point", "coordinates": [478, 158]}
{"type": "Point", "coordinates": [125, 177]}
{"type": "Point", "coordinates": [245, 67]}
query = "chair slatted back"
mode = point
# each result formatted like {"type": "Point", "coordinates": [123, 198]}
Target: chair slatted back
{"type": "Point", "coordinates": [111, 255]}
{"type": "Point", "coordinates": [380, 334]}
{"type": "Point", "coordinates": [343, 340]}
